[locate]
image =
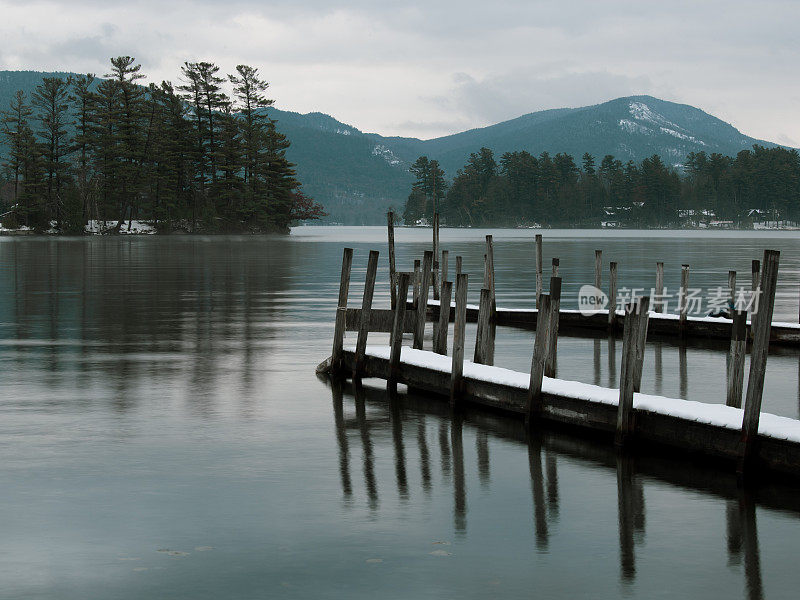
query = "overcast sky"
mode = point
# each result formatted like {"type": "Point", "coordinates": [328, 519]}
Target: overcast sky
{"type": "Point", "coordinates": [430, 68]}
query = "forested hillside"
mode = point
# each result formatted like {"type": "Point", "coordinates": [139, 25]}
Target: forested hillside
{"type": "Point", "coordinates": [525, 190]}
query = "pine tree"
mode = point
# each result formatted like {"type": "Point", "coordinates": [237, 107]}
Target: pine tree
{"type": "Point", "coordinates": [249, 90]}
{"type": "Point", "coordinates": [130, 133]}
{"type": "Point", "coordinates": [17, 132]}
{"type": "Point", "coordinates": [51, 98]}
{"type": "Point", "coordinates": [82, 99]}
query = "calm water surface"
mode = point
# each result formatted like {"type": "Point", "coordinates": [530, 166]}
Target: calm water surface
{"type": "Point", "coordinates": [163, 434]}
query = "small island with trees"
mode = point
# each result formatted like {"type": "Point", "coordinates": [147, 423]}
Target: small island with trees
{"type": "Point", "coordinates": [95, 154]}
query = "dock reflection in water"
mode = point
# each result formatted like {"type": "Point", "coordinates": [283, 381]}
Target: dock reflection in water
{"type": "Point", "coordinates": [410, 422]}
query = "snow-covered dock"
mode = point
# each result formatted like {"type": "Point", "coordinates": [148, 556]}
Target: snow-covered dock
{"type": "Point", "coordinates": [710, 429]}
{"type": "Point", "coordinates": [736, 431]}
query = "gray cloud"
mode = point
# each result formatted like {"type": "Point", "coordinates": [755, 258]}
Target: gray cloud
{"type": "Point", "coordinates": [423, 68]}
{"type": "Point", "coordinates": [508, 95]}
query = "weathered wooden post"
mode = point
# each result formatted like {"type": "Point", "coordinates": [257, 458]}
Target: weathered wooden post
{"type": "Point", "coordinates": [612, 297]}
{"type": "Point", "coordinates": [459, 263]}
{"type": "Point", "coordinates": [540, 353]}
{"type": "Point", "coordinates": [736, 359]}
{"type": "Point", "coordinates": [538, 267]}
{"type": "Point", "coordinates": [397, 328]}
{"type": "Point", "coordinates": [598, 267]}
{"type": "Point", "coordinates": [641, 341]}
{"type": "Point", "coordinates": [659, 291]}
{"type": "Point", "coordinates": [440, 330]}
{"type": "Point", "coordinates": [422, 301]}
{"type": "Point", "coordinates": [756, 273]}
{"type": "Point", "coordinates": [341, 312]}
{"type": "Point", "coordinates": [756, 285]}
{"type": "Point", "coordinates": [484, 340]}
{"type": "Point", "coordinates": [416, 281]}
{"type": "Point", "coordinates": [552, 346]}
{"type": "Point", "coordinates": [490, 270]}
{"type": "Point", "coordinates": [392, 266]}
{"type": "Point", "coordinates": [731, 292]}
{"type": "Point", "coordinates": [435, 276]}
{"type": "Point", "coordinates": [636, 315]}
{"type": "Point", "coordinates": [555, 267]}
{"type": "Point", "coordinates": [459, 330]}
{"type": "Point", "coordinates": [445, 261]}
{"type": "Point", "coordinates": [366, 313]}
{"type": "Point", "coordinates": [758, 355]}
{"type": "Point", "coordinates": [683, 300]}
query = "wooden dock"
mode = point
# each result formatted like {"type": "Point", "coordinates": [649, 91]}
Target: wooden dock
{"type": "Point", "coordinates": [736, 431]}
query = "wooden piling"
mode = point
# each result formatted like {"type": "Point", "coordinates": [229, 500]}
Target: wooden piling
{"type": "Point", "coordinates": [755, 285]}
{"type": "Point", "coordinates": [392, 265]}
{"type": "Point", "coordinates": [396, 341]}
{"type": "Point", "coordinates": [635, 315]}
{"type": "Point", "coordinates": [683, 300]}
{"type": "Point", "coordinates": [459, 263]}
{"type": "Point", "coordinates": [641, 341]}
{"type": "Point", "coordinates": [538, 267]}
{"type": "Point", "coordinates": [416, 282]}
{"type": "Point", "coordinates": [658, 305]}
{"type": "Point", "coordinates": [484, 342]}
{"type": "Point", "coordinates": [540, 353]}
{"type": "Point", "coordinates": [598, 267]}
{"type": "Point", "coordinates": [459, 330]}
{"type": "Point", "coordinates": [731, 291]}
{"type": "Point", "coordinates": [366, 308]}
{"type": "Point", "coordinates": [612, 297]}
{"type": "Point", "coordinates": [435, 264]}
{"type": "Point", "coordinates": [552, 346]}
{"type": "Point", "coordinates": [555, 267]}
{"type": "Point", "coordinates": [758, 354]}
{"type": "Point", "coordinates": [736, 359]}
{"type": "Point", "coordinates": [445, 261]}
{"type": "Point", "coordinates": [341, 312]}
{"type": "Point", "coordinates": [422, 301]}
{"type": "Point", "coordinates": [490, 269]}
{"type": "Point", "coordinates": [756, 274]}
{"type": "Point", "coordinates": [440, 330]}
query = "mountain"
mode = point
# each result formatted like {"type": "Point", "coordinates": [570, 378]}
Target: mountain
{"type": "Point", "coordinates": [357, 176]}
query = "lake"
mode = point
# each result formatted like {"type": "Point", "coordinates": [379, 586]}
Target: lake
{"type": "Point", "coordinates": [163, 433]}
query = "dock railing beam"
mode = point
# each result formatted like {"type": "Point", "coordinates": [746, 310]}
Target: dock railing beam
{"type": "Point", "coordinates": [459, 331]}
{"type": "Point", "coordinates": [366, 310]}
{"type": "Point", "coordinates": [758, 355]}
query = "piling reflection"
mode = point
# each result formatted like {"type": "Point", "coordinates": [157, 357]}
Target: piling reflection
{"type": "Point", "coordinates": [405, 422]}
{"type": "Point", "coordinates": [459, 483]}
{"type": "Point", "coordinates": [537, 489]}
